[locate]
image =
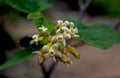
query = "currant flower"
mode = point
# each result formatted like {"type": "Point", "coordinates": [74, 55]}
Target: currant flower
{"type": "Point", "coordinates": [65, 59]}
{"type": "Point", "coordinates": [44, 29]}
{"type": "Point", "coordinates": [52, 52]}
{"type": "Point", "coordinates": [60, 39]}
{"type": "Point", "coordinates": [56, 47]}
{"type": "Point", "coordinates": [67, 35]}
{"type": "Point", "coordinates": [73, 32]}
{"type": "Point", "coordinates": [36, 39]}
{"type": "Point", "coordinates": [59, 21]}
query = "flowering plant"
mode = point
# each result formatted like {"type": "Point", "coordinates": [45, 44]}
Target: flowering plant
{"type": "Point", "coordinates": [51, 41]}
{"type": "Point", "coordinates": [55, 45]}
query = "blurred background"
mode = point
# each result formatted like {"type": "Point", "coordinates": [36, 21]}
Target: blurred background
{"type": "Point", "coordinates": [94, 63]}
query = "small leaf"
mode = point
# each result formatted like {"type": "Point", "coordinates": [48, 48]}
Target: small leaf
{"type": "Point", "coordinates": [20, 56]}
{"type": "Point", "coordinates": [28, 6]}
{"type": "Point", "coordinates": [40, 20]}
{"type": "Point", "coordinates": [99, 35]}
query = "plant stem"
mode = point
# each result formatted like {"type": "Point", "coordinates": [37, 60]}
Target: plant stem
{"type": "Point", "coordinates": [48, 73]}
{"type": "Point", "coordinates": [43, 69]}
{"type": "Point", "coordinates": [117, 26]}
{"type": "Point", "coordinates": [82, 11]}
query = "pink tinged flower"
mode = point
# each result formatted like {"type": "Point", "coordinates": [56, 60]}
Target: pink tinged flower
{"type": "Point", "coordinates": [54, 39]}
{"type": "Point", "coordinates": [45, 48]}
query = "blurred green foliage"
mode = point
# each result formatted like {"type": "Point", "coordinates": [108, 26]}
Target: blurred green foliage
{"type": "Point", "coordinates": [39, 20]}
{"type": "Point", "coordinates": [17, 58]}
{"type": "Point", "coordinates": [28, 6]}
{"type": "Point", "coordinates": [23, 6]}
{"type": "Point", "coordinates": [111, 6]}
{"type": "Point", "coordinates": [20, 56]}
{"type": "Point", "coordinates": [98, 35]}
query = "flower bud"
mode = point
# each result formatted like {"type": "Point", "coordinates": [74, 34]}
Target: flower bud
{"type": "Point", "coordinates": [73, 51]}
{"type": "Point", "coordinates": [64, 58]}
{"type": "Point", "coordinates": [45, 49]}
{"type": "Point", "coordinates": [41, 59]}
{"type": "Point", "coordinates": [64, 50]}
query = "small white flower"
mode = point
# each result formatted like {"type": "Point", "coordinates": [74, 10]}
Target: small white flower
{"type": "Point", "coordinates": [66, 35]}
{"type": "Point", "coordinates": [71, 24]}
{"type": "Point", "coordinates": [36, 39]}
{"type": "Point", "coordinates": [52, 52]}
{"type": "Point", "coordinates": [60, 38]}
{"type": "Point", "coordinates": [65, 29]}
{"type": "Point", "coordinates": [73, 32]}
{"type": "Point", "coordinates": [76, 30]}
{"type": "Point", "coordinates": [59, 21]}
{"type": "Point", "coordinates": [44, 29]}
{"type": "Point", "coordinates": [58, 30]}
{"type": "Point", "coordinates": [67, 22]}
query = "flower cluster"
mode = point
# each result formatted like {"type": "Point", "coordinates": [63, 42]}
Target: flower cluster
{"type": "Point", "coordinates": [56, 46]}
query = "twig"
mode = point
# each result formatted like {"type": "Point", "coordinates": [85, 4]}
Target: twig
{"type": "Point", "coordinates": [43, 69]}
{"type": "Point", "coordinates": [117, 26]}
{"type": "Point", "coordinates": [47, 73]}
{"type": "Point", "coordinates": [51, 69]}
{"type": "Point", "coordinates": [86, 5]}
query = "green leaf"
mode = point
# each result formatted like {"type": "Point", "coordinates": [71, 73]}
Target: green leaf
{"type": "Point", "coordinates": [39, 20]}
{"type": "Point", "coordinates": [99, 35]}
{"type": "Point", "coordinates": [20, 56]}
{"type": "Point", "coordinates": [28, 6]}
